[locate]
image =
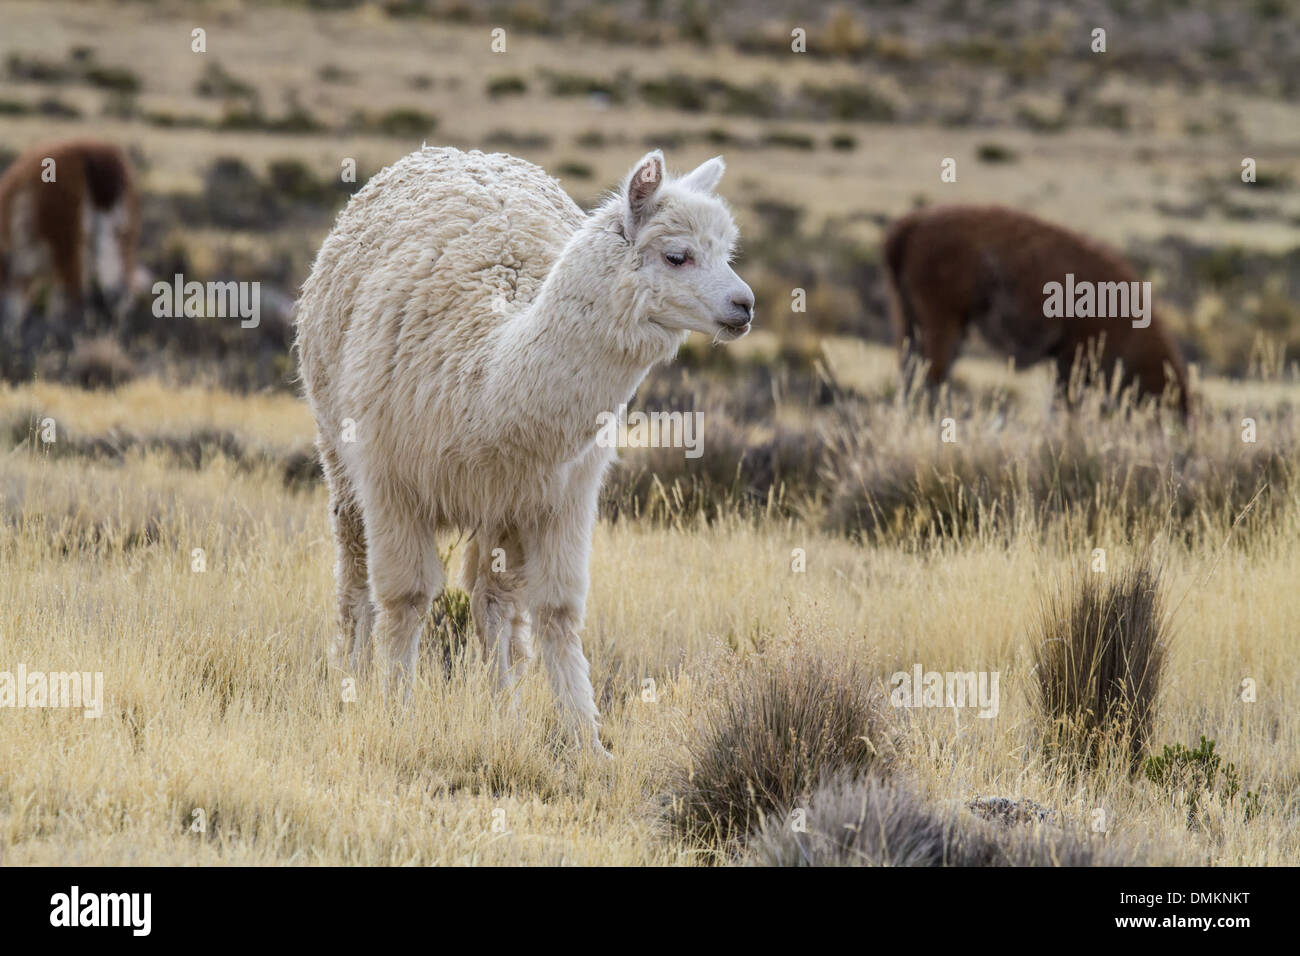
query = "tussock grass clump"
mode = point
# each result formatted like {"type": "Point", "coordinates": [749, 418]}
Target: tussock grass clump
{"type": "Point", "coordinates": [756, 452]}
{"type": "Point", "coordinates": [1101, 653]}
{"type": "Point", "coordinates": [779, 729]}
{"type": "Point", "coordinates": [876, 822]}
{"type": "Point", "coordinates": [196, 449]}
{"type": "Point", "coordinates": [745, 475]}
{"type": "Point", "coordinates": [892, 475]}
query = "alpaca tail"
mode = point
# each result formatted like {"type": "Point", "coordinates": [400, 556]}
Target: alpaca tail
{"type": "Point", "coordinates": [904, 314]}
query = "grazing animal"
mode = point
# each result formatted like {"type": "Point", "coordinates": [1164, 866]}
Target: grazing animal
{"type": "Point", "coordinates": [463, 329]}
{"type": "Point", "coordinates": [68, 211]}
{"type": "Point", "coordinates": [953, 267]}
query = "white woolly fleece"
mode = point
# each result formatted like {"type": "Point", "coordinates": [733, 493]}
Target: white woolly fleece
{"type": "Point", "coordinates": [463, 328]}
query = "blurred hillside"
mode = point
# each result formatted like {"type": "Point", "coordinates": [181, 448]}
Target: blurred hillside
{"type": "Point", "coordinates": [241, 148]}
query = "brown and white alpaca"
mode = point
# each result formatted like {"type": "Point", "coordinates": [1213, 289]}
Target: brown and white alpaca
{"type": "Point", "coordinates": [954, 267]}
{"type": "Point", "coordinates": [69, 213]}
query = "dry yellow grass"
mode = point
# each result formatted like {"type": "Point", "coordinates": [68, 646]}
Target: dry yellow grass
{"type": "Point", "coordinates": [217, 697]}
{"type": "Point", "coordinates": [147, 405]}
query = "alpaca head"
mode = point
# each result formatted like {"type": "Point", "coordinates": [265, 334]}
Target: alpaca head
{"type": "Point", "coordinates": [682, 238]}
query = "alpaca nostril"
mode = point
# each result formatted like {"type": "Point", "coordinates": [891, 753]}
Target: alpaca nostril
{"type": "Point", "coordinates": [745, 305]}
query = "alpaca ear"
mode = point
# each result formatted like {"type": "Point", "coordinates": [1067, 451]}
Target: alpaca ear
{"type": "Point", "coordinates": [705, 177]}
{"type": "Point", "coordinates": [641, 188]}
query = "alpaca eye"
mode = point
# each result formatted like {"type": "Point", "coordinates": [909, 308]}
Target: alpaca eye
{"type": "Point", "coordinates": [677, 258]}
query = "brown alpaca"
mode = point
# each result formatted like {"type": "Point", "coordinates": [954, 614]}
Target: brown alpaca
{"type": "Point", "coordinates": [951, 267]}
{"type": "Point", "coordinates": [69, 212]}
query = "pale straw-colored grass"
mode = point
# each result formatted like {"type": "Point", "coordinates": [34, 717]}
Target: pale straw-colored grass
{"type": "Point", "coordinates": [217, 696]}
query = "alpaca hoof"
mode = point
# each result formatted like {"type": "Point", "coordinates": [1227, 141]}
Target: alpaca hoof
{"type": "Point", "coordinates": [340, 656]}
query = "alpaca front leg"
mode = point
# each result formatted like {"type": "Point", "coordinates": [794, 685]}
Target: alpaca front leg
{"type": "Point", "coordinates": [569, 672]}
{"type": "Point", "coordinates": [557, 565]}
{"type": "Point", "coordinates": [405, 574]}
{"type": "Point", "coordinates": [521, 648]}
{"type": "Point", "coordinates": [13, 312]}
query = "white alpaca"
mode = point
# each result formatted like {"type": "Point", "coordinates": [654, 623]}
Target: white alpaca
{"type": "Point", "coordinates": [464, 326]}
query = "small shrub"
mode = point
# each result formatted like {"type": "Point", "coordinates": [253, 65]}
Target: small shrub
{"type": "Point", "coordinates": [121, 106]}
{"type": "Point", "coordinates": [875, 822]}
{"type": "Point", "coordinates": [406, 122]}
{"type": "Point", "coordinates": [172, 121]}
{"type": "Point", "coordinates": [297, 119]}
{"type": "Point", "coordinates": [510, 140]}
{"type": "Point", "coordinates": [35, 70]}
{"type": "Point", "coordinates": [1197, 773]}
{"type": "Point", "coordinates": [450, 627]}
{"type": "Point", "coordinates": [574, 170]}
{"type": "Point", "coordinates": [849, 103]}
{"type": "Point", "coordinates": [1109, 115]}
{"type": "Point", "coordinates": [1221, 266]}
{"type": "Point", "coordinates": [331, 73]}
{"type": "Point", "coordinates": [99, 363]}
{"type": "Point", "coordinates": [234, 197]}
{"type": "Point", "coordinates": [302, 470]}
{"type": "Point", "coordinates": [294, 180]}
{"type": "Point", "coordinates": [57, 109]}
{"type": "Point", "coordinates": [784, 139]}
{"type": "Point", "coordinates": [676, 92]}
{"type": "Point", "coordinates": [1270, 180]}
{"type": "Point", "coordinates": [115, 78]}
{"type": "Point", "coordinates": [506, 86]}
{"type": "Point", "coordinates": [576, 84]}
{"type": "Point", "coordinates": [856, 823]}
{"type": "Point", "coordinates": [994, 153]}
{"type": "Point", "coordinates": [1039, 121]}
{"type": "Point", "coordinates": [216, 83]}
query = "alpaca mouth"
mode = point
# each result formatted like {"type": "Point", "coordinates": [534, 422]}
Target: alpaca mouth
{"type": "Point", "coordinates": [733, 330]}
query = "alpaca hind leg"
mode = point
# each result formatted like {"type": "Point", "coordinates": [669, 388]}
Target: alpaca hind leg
{"type": "Point", "coordinates": [351, 646]}
{"type": "Point", "coordinates": [941, 335]}
{"type": "Point", "coordinates": [495, 601]}
{"type": "Point", "coordinates": [521, 645]}
{"type": "Point", "coordinates": [13, 313]}
{"type": "Point", "coordinates": [67, 310]}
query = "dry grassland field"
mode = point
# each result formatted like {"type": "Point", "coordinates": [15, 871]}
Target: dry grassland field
{"type": "Point", "coordinates": [855, 621]}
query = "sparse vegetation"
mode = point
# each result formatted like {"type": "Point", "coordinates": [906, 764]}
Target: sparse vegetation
{"type": "Point", "coordinates": [743, 603]}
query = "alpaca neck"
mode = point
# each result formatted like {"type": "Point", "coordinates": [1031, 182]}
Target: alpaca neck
{"type": "Point", "coordinates": [580, 348]}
